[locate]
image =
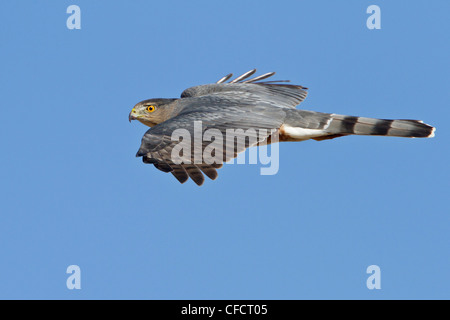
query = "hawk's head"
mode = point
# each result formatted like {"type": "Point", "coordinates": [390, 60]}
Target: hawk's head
{"type": "Point", "coordinates": [152, 111]}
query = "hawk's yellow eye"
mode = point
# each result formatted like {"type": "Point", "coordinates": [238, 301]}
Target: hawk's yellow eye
{"type": "Point", "coordinates": [151, 108]}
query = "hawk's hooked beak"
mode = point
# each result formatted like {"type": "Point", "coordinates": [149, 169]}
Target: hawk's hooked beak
{"type": "Point", "coordinates": [132, 115]}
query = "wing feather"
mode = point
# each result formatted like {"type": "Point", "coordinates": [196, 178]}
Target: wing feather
{"type": "Point", "coordinates": [274, 93]}
{"type": "Point", "coordinates": [249, 124]}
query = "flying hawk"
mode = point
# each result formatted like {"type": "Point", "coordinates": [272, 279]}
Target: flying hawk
{"type": "Point", "coordinates": [257, 111]}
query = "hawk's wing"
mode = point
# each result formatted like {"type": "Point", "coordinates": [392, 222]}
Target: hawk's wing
{"type": "Point", "coordinates": [273, 93]}
{"type": "Point", "coordinates": [248, 121]}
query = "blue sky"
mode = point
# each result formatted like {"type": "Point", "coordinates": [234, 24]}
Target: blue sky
{"type": "Point", "coordinates": [73, 193]}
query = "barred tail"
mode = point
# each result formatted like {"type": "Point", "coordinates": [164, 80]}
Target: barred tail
{"type": "Point", "coordinates": [343, 125]}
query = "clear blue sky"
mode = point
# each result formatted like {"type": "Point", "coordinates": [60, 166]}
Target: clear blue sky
{"type": "Point", "coordinates": [72, 191]}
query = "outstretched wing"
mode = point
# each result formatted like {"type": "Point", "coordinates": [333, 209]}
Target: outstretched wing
{"type": "Point", "coordinates": [274, 93]}
{"type": "Point", "coordinates": [208, 122]}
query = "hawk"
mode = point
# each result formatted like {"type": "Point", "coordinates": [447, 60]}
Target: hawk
{"type": "Point", "coordinates": [253, 106]}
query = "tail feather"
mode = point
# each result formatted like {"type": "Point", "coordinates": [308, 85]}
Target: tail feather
{"type": "Point", "coordinates": [345, 125]}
